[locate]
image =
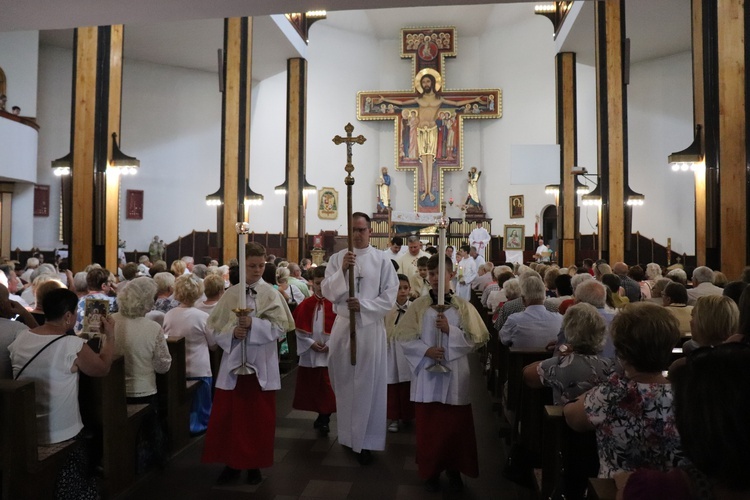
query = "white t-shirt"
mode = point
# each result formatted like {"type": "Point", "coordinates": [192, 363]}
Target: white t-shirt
{"type": "Point", "coordinates": [190, 323]}
{"type": "Point", "coordinates": [56, 387]}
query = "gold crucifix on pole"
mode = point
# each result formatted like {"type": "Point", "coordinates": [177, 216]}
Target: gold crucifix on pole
{"type": "Point", "coordinates": [349, 181]}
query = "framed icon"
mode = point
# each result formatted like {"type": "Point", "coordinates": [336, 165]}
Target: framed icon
{"type": "Point", "coordinates": [513, 237]}
{"type": "Point", "coordinates": [516, 206]}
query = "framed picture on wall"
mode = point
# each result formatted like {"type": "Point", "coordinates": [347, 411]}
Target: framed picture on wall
{"type": "Point", "coordinates": [516, 206]}
{"type": "Point", "coordinates": [41, 200]}
{"type": "Point", "coordinates": [513, 237]}
{"type": "Point", "coordinates": [328, 205]}
{"type": "Point", "coordinates": [134, 204]}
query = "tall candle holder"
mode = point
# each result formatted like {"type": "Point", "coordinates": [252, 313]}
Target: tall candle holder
{"type": "Point", "coordinates": [243, 229]}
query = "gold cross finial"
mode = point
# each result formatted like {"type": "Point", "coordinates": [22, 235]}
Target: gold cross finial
{"type": "Point", "coordinates": [350, 141]}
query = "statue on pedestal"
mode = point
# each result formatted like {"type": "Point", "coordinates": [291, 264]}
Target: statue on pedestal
{"type": "Point", "coordinates": [156, 249]}
{"type": "Point", "coordinates": [384, 190]}
{"type": "Point", "coordinates": [473, 205]}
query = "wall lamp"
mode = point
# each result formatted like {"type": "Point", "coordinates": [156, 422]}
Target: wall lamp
{"type": "Point", "coordinates": [62, 166]}
{"type": "Point", "coordinates": [308, 188]}
{"type": "Point", "coordinates": [282, 188]}
{"type": "Point", "coordinates": [688, 158]}
{"type": "Point", "coordinates": [215, 199]}
{"type": "Point", "coordinates": [553, 189]}
{"type": "Point", "coordinates": [632, 198]}
{"type": "Point", "coordinates": [251, 197]}
{"type": "Point", "coordinates": [127, 165]}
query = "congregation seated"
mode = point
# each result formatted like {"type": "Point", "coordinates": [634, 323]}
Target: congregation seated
{"type": "Point", "coordinates": [590, 291]}
{"type": "Point", "coordinates": [734, 290]}
{"type": "Point", "coordinates": [632, 414]}
{"type": "Point", "coordinates": [164, 292]}
{"type": "Point", "coordinates": [10, 328]}
{"type": "Point", "coordinates": [632, 287]}
{"type": "Point", "coordinates": [714, 319]}
{"type": "Point", "coordinates": [720, 279]}
{"type": "Point", "coordinates": [549, 277]}
{"type": "Point", "coordinates": [41, 289]}
{"type": "Point", "coordinates": [657, 290]}
{"type": "Point", "coordinates": [510, 295]}
{"type": "Point", "coordinates": [178, 268]}
{"type": "Point", "coordinates": [713, 431]}
{"type": "Point", "coordinates": [679, 276]}
{"type": "Point", "coordinates": [575, 281]}
{"type": "Point", "coordinates": [99, 285]}
{"type": "Point", "coordinates": [580, 366]}
{"type": "Point", "coordinates": [190, 323]}
{"type": "Point", "coordinates": [616, 298]}
{"type": "Point", "coordinates": [500, 274]}
{"type": "Point", "coordinates": [213, 289]}
{"type": "Point", "coordinates": [55, 369]}
{"type": "Point", "coordinates": [563, 292]}
{"type": "Point", "coordinates": [484, 276]}
{"type": "Point", "coordinates": [652, 273]}
{"type": "Point", "coordinates": [535, 326]}
{"type": "Point", "coordinates": [674, 299]}
{"type": "Point", "coordinates": [703, 278]}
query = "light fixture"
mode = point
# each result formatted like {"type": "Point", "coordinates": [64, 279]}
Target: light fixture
{"type": "Point", "coordinates": [215, 199]}
{"type": "Point", "coordinates": [632, 198]}
{"type": "Point", "coordinates": [127, 165]}
{"type": "Point", "coordinates": [308, 188]}
{"type": "Point", "coordinates": [282, 188]}
{"type": "Point", "coordinates": [552, 189]}
{"type": "Point", "coordinates": [688, 158]}
{"type": "Point", "coordinates": [62, 166]}
{"type": "Point", "coordinates": [251, 197]}
{"type": "Point", "coordinates": [594, 197]}
{"type": "Point", "coordinates": [581, 188]}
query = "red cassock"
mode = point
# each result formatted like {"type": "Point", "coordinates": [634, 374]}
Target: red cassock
{"type": "Point", "coordinates": [314, 391]}
{"type": "Point", "coordinates": [242, 426]}
{"type": "Point", "coordinates": [445, 439]}
{"type": "Point", "coordinates": [400, 405]}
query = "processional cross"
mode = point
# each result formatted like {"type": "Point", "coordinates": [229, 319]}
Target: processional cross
{"type": "Point", "coordinates": [429, 119]}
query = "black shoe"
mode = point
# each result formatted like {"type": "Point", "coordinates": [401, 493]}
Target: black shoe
{"type": "Point", "coordinates": [323, 430]}
{"type": "Point", "coordinates": [364, 457]}
{"type": "Point", "coordinates": [254, 477]}
{"type": "Point", "coordinates": [455, 483]}
{"type": "Point", "coordinates": [318, 422]}
{"type": "Point", "coordinates": [433, 484]}
{"type": "Point", "coordinates": [228, 475]}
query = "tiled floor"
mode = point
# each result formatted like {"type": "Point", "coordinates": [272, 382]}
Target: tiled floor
{"type": "Point", "coordinates": [309, 467]}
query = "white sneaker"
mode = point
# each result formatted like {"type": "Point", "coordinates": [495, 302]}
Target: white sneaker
{"type": "Point", "coordinates": [393, 426]}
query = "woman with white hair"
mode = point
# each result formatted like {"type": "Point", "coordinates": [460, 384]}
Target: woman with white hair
{"type": "Point", "coordinates": [164, 289]}
{"type": "Point", "coordinates": [653, 273]}
{"type": "Point", "coordinates": [140, 340]}
{"type": "Point", "coordinates": [190, 323]}
{"type": "Point", "coordinates": [142, 343]}
{"type": "Point", "coordinates": [291, 293]}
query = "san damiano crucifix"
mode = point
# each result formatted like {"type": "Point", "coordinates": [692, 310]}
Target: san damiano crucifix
{"type": "Point", "coordinates": [429, 118]}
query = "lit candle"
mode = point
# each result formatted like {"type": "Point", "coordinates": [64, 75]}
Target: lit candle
{"type": "Point", "coordinates": [243, 269]}
{"type": "Point", "coordinates": [441, 265]}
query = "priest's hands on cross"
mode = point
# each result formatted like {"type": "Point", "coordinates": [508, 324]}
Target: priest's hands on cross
{"type": "Point", "coordinates": [353, 304]}
{"type": "Point", "coordinates": [244, 324]}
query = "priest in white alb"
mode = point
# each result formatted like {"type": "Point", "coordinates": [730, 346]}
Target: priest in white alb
{"type": "Point", "coordinates": [479, 238]}
{"type": "Point", "coordinates": [361, 389]}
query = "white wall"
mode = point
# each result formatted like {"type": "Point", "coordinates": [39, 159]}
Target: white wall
{"type": "Point", "coordinates": [171, 121]}
{"type": "Point", "coordinates": [19, 54]}
{"type": "Point", "coordinates": [660, 121]}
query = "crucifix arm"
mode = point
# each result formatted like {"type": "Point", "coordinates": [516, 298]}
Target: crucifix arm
{"type": "Point", "coordinates": [381, 99]}
{"type": "Point", "coordinates": [465, 101]}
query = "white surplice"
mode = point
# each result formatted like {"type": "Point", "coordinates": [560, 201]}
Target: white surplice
{"type": "Point", "coordinates": [361, 390]}
{"type": "Point", "coordinates": [398, 367]}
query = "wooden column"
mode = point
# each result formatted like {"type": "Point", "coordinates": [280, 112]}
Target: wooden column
{"type": "Point", "coordinates": [296, 117]}
{"type": "Point", "coordinates": [91, 213]}
{"type": "Point", "coordinates": [612, 132]}
{"type": "Point", "coordinates": [235, 134]}
{"type": "Point", "coordinates": [733, 138]}
{"type": "Point", "coordinates": [567, 139]}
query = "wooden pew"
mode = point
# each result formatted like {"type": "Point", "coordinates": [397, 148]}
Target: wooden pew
{"type": "Point", "coordinates": [175, 394]}
{"type": "Point", "coordinates": [104, 409]}
{"type": "Point", "coordinates": [602, 489]}
{"type": "Point", "coordinates": [28, 470]}
{"type": "Point", "coordinates": [569, 458]}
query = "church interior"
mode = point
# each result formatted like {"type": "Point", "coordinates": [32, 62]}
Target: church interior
{"type": "Point", "coordinates": [604, 129]}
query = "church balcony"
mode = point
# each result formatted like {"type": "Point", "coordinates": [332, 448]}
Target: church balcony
{"type": "Point", "coordinates": [18, 148]}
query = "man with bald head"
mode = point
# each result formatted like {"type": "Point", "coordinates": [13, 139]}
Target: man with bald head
{"type": "Point", "coordinates": [594, 293]}
{"type": "Point", "coordinates": [407, 263]}
{"type": "Point", "coordinates": [632, 287]}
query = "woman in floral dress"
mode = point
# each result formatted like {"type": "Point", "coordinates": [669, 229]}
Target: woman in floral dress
{"type": "Point", "coordinates": [632, 413]}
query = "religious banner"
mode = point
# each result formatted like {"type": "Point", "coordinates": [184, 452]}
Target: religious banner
{"type": "Point", "coordinates": [134, 204]}
{"type": "Point", "coordinates": [328, 204]}
{"type": "Point", "coordinates": [428, 132]}
{"type": "Point", "coordinates": [41, 200]}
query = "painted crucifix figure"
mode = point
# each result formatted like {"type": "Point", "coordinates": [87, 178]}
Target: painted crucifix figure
{"type": "Point", "coordinates": [429, 119]}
